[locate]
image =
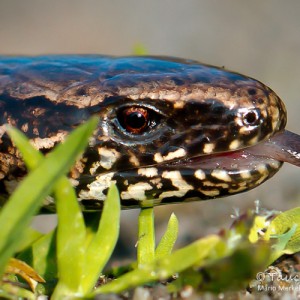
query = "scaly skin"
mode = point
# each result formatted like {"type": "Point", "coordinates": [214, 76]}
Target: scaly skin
{"type": "Point", "coordinates": [170, 130]}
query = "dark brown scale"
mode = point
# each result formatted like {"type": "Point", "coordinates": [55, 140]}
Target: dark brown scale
{"type": "Point", "coordinates": [170, 130]}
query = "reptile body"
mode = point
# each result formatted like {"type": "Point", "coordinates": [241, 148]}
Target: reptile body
{"type": "Point", "coordinates": [170, 130]}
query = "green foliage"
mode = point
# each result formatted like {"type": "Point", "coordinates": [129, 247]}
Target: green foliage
{"type": "Point", "coordinates": [31, 192]}
{"type": "Point", "coordinates": [73, 256]}
{"type": "Point", "coordinates": [139, 49]}
{"type": "Point", "coordinates": [76, 249]}
{"type": "Point", "coordinates": [285, 228]}
{"type": "Point", "coordinates": [168, 240]}
{"type": "Point", "coordinates": [41, 255]}
{"type": "Point", "coordinates": [28, 197]}
{"type": "Point", "coordinates": [80, 257]}
{"type": "Point", "coordinates": [146, 241]}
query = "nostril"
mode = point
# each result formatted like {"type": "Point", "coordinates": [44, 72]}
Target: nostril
{"type": "Point", "coordinates": [251, 118]}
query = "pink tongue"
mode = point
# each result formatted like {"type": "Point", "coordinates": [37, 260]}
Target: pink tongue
{"type": "Point", "coordinates": [283, 146]}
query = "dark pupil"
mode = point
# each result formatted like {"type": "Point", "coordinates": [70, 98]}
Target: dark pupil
{"type": "Point", "coordinates": [250, 117]}
{"type": "Point", "coordinates": [135, 120]}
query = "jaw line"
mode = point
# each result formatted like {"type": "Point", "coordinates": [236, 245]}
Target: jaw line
{"type": "Point", "coordinates": [230, 161]}
{"type": "Point", "coordinates": [284, 146]}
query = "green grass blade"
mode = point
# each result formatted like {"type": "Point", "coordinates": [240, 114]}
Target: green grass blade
{"type": "Point", "coordinates": [8, 291]}
{"type": "Point", "coordinates": [71, 235]}
{"type": "Point", "coordinates": [146, 242]}
{"type": "Point", "coordinates": [168, 240]}
{"type": "Point", "coordinates": [71, 251]}
{"type": "Point", "coordinates": [28, 238]}
{"type": "Point", "coordinates": [129, 280]}
{"type": "Point", "coordinates": [30, 155]}
{"type": "Point", "coordinates": [160, 269]}
{"type": "Point", "coordinates": [35, 187]}
{"type": "Point", "coordinates": [71, 229]}
{"type": "Point", "coordinates": [191, 255]}
{"type": "Point", "coordinates": [103, 243]}
{"type": "Point", "coordinates": [41, 255]}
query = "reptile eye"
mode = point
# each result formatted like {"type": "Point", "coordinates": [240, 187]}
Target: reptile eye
{"type": "Point", "coordinates": [137, 120]}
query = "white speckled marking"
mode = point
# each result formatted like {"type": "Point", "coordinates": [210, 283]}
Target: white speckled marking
{"type": "Point", "coordinates": [47, 143]}
{"type": "Point", "coordinates": [136, 191]}
{"type": "Point", "coordinates": [148, 172]}
{"type": "Point", "coordinates": [159, 94]}
{"type": "Point", "coordinates": [261, 168]}
{"type": "Point", "coordinates": [157, 182]}
{"type": "Point", "coordinates": [175, 154]}
{"type": "Point", "coordinates": [208, 148]}
{"type": "Point", "coordinates": [94, 167]}
{"type": "Point", "coordinates": [134, 160]}
{"type": "Point", "coordinates": [243, 130]}
{"type": "Point", "coordinates": [158, 158]}
{"type": "Point", "coordinates": [221, 175]}
{"type": "Point", "coordinates": [245, 174]}
{"type": "Point", "coordinates": [97, 187]}
{"type": "Point", "coordinates": [234, 144]}
{"type": "Point", "coordinates": [210, 193]}
{"type": "Point", "coordinates": [199, 174]}
{"type": "Point", "coordinates": [170, 156]}
{"type": "Point", "coordinates": [223, 185]}
{"type": "Point", "coordinates": [178, 182]}
{"type": "Point", "coordinates": [213, 184]}
{"type": "Point", "coordinates": [108, 157]}
{"type": "Point", "coordinates": [239, 189]}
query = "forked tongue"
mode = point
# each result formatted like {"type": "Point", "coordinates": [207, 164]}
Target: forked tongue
{"type": "Point", "coordinates": [283, 146]}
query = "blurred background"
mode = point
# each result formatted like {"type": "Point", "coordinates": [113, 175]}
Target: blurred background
{"type": "Point", "coordinates": [257, 38]}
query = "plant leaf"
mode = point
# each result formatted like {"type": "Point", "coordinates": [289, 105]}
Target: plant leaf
{"type": "Point", "coordinates": [71, 235]}
{"type": "Point", "coordinates": [19, 267]}
{"type": "Point", "coordinates": [285, 227]}
{"type": "Point", "coordinates": [41, 255]}
{"type": "Point", "coordinates": [146, 242]}
{"type": "Point", "coordinates": [168, 240]}
{"type": "Point", "coordinates": [35, 187]}
{"type": "Point", "coordinates": [103, 243]}
{"type": "Point", "coordinates": [179, 260]}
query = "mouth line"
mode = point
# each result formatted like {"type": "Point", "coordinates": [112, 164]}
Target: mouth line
{"type": "Point", "coordinates": [203, 176]}
{"type": "Point", "coordinates": [282, 147]}
{"type": "Point", "coordinates": [231, 161]}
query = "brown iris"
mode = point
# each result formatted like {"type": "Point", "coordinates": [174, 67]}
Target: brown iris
{"type": "Point", "coordinates": [134, 119]}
